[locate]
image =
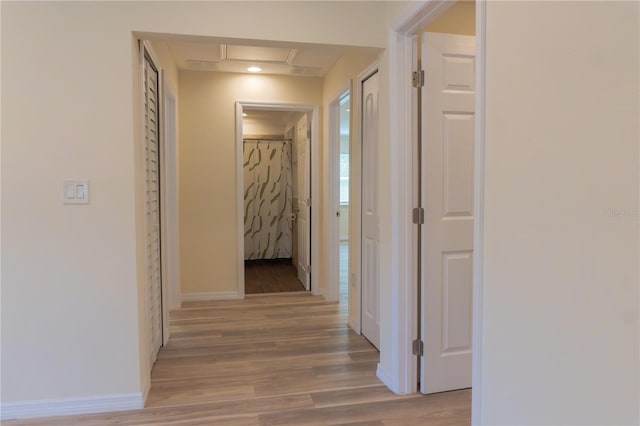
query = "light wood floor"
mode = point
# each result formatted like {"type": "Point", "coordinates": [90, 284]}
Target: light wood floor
{"type": "Point", "coordinates": [286, 359]}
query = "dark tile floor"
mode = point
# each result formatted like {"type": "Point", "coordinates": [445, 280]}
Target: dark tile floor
{"type": "Point", "coordinates": [280, 275]}
{"type": "Point", "coordinates": [270, 276]}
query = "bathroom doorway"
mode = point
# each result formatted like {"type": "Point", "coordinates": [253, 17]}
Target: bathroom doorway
{"type": "Point", "coordinates": [276, 177]}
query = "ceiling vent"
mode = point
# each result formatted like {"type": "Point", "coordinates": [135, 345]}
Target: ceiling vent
{"type": "Point", "coordinates": [257, 54]}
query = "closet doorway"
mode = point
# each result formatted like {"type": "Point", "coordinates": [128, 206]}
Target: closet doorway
{"type": "Point", "coordinates": [276, 198]}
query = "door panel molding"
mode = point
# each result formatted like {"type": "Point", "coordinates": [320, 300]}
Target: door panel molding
{"type": "Point", "coordinates": [370, 214]}
{"type": "Point", "coordinates": [448, 143]}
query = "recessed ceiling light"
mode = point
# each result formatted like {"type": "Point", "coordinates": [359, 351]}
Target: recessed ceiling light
{"type": "Point", "coordinates": [254, 69]}
{"type": "Point", "coordinates": [244, 114]}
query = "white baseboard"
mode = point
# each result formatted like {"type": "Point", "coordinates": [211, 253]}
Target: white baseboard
{"type": "Point", "coordinates": [210, 295]}
{"type": "Point", "coordinates": [69, 406]}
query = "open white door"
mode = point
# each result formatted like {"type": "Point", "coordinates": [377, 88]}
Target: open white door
{"type": "Point", "coordinates": [304, 202]}
{"type": "Point", "coordinates": [447, 235]}
{"type": "Point", "coordinates": [370, 215]}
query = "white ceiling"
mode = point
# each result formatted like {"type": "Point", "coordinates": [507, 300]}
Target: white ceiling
{"type": "Point", "coordinates": [238, 55]}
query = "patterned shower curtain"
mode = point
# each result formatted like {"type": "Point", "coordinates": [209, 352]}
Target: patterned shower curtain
{"type": "Point", "coordinates": [267, 199]}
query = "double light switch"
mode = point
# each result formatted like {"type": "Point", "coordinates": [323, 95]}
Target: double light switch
{"type": "Point", "coordinates": [75, 191]}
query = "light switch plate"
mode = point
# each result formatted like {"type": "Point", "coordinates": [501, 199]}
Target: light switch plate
{"type": "Point", "coordinates": [75, 191]}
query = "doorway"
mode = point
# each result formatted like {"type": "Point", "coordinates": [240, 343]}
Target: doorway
{"type": "Point", "coordinates": [445, 88]}
{"type": "Point", "coordinates": [151, 85]}
{"type": "Point", "coordinates": [161, 204]}
{"type": "Point", "coordinates": [344, 105]}
{"type": "Point", "coordinates": [276, 184]}
{"type": "Point", "coordinates": [405, 246]}
{"type": "Point", "coordinates": [339, 208]}
{"type": "Point", "coordinates": [276, 177]}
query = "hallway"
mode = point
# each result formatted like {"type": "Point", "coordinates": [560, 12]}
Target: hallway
{"type": "Point", "coordinates": [286, 359]}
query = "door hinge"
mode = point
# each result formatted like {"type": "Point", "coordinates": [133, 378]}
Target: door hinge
{"type": "Point", "coordinates": [308, 202]}
{"type": "Point", "coordinates": [418, 215]}
{"type": "Point", "coordinates": [417, 78]}
{"type": "Point", "coordinates": [308, 268]}
{"type": "Point", "coordinates": [309, 134]}
{"type": "Point", "coordinates": [418, 347]}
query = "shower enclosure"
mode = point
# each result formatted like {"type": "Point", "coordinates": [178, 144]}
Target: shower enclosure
{"type": "Point", "coordinates": [267, 199]}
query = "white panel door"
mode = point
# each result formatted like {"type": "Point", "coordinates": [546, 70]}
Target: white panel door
{"type": "Point", "coordinates": [304, 202]}
{"type": "Point", "coordinates": [152, 204]}
{"type": "Point", "coordinates": [370, 216]}
{"type": "Point", "coordinates": [447, 181]}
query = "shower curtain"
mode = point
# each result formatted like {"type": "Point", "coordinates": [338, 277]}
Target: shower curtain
{"type": "Point", "coordinates": [267, 199]}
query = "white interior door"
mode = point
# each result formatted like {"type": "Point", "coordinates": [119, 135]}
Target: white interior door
{"type": "Point", "coordinates": [447, 181]}
{"type": "Point", "coordinates": [152, 204]}
{"type": "Point", "coordinates": [370, 215]}
{"type": "Point", "coordinates": [304, 202]}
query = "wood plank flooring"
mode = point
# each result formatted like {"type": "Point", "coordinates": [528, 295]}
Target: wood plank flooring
{"type": "Point", "coordinates": [271, 276]}
{"type": "Point", "coordinates": [281, 359]}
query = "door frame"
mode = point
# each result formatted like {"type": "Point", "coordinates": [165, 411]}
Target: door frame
{"type": "Point", "coordinates": [316, 288]}
{"type": "Point", "coordinates": [400, 375]}
{"type": "Point", "coordinates": [332, 149]}
{"type": "Point", "coordinates": [145, 48]}
{"type": "Point", "coordinates": [169, 191]}
{"type": "Point", "coordinates": [169, 225]}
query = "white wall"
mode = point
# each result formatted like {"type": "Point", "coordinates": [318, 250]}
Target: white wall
{"type": "Point", "coordinates": [73, 278]}
{"type": "Point", "coordinates": [69, 289]}
{"type": "Point", "coordinates": [259, 127]}
{"type": "Point", "coordinates": [458, 19]}
{"type": "Point", "coordinates": [560, 331]}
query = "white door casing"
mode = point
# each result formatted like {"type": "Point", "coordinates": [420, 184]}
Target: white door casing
{"type": "Point", "coordinates": [448, 118]}
{"type": "Point", "coordinates": [370, 214]}
{"type": "Point", "coordinates": [152, 202]}
{"type": "Point", "coordinates": [169, 188]}
{"type": "Point", "coordinates": [313, 166]}
{"type": "Point", "coordinates": [304, 202]}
